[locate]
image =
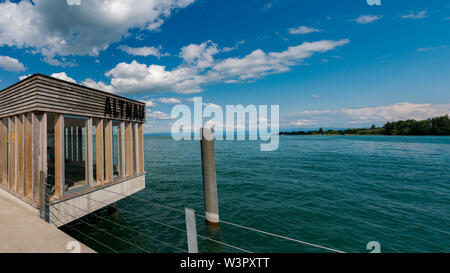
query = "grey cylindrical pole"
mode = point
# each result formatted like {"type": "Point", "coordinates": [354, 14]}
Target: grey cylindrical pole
{"type": "Point", "coordinates": [209, 176]}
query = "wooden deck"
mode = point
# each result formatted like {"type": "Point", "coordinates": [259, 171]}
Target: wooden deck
{"type": "Point", "coordinates": [22, 231]}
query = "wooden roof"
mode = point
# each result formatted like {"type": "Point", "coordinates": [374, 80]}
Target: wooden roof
{"type": "Point", "coordinates": [46, 94]}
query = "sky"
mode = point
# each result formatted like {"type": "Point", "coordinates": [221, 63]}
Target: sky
{"type": "Point", "coordinates": [330, 64]}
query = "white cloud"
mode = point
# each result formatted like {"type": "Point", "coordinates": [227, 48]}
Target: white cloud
{"type": "Point", "coordinates": [169, 100]}
{"type": "Point", "coordinates": [88, 82]}
{"type": "Point", "coordinates": [200, 68]}
{"type": "Point", "coordinates": [199, 55]}
{"type": "Point", "coordinates": [425, 49]}
{"type": "Point", "coordinates": [149, 103]}
{"type": "Point", "coordinates": [420, 15]}
{"type": "Point", "coordinates": [11, 64]}
{"type": "Point", "coordinates": [315, 96]}
{"type": "Point", "coordinates": [366, 116]}
{"type": "Point", "coordinates": [302, 122]}
{"type": "Point", "coordinates": [159, 115]}
{"type": "Point", "coordinates": [24, 77]}
{"type": "Point", "coordinates": [54, 29]}
{"type": "Point", "coordinates": [210, 104]}
{"type": "Point", "coordinates": [135, 77]}
{"type": "Point", "coordinates": [143, 51]}
{"type": "Point", "coordinates": [259, 64]}
{"type": "Point", "coordinates": [99, 85]}
{"type": "Point", "coordinates": [303, 30]}
{"type": "Point", "coordinates": [365, 19]}
{"type": "Point", "coordinates": [63, 76]}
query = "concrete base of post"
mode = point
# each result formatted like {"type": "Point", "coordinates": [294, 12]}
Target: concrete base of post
{"type": "Point", "coordinates": [212, 218]}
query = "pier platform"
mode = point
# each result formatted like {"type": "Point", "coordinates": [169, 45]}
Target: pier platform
{"type": "Point", "coordinates": [22, 231]}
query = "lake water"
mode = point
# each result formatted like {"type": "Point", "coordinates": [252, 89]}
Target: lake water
{"type": "Point", "coordinates": [337, 191]}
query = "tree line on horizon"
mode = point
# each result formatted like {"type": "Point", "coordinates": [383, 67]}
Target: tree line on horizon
{"type": "Point", "coordinates": [438, 126]}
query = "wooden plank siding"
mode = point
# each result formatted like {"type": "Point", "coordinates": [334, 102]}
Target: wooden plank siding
{"type": "Point", "coordinates": [19, 98]}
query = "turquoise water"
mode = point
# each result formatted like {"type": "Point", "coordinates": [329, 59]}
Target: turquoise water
{"type": "Point", "coordinates": [335, 191]}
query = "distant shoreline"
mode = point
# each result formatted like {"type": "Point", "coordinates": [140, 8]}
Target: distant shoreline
{"type": "Point", "coordinates": [438, 126]}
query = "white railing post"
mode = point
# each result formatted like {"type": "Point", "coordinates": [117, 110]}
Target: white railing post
{"type": "Point", "coordinates": [191, 230]}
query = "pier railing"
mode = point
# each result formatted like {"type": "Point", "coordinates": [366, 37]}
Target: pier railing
{"type": "Point", "coordinates": [189, 233]}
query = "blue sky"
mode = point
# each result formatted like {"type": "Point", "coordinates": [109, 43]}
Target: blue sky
{"type": "Point", "coordinates": [326, 63]}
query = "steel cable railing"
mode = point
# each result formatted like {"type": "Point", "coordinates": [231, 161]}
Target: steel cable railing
{"type": "Point", "coordinates": [241, 226]}
{"type": "Point", "coordinates": [184, 231]}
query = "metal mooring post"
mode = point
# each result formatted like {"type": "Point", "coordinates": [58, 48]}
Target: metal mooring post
{"type": "Point", "coordinates": [191, 230]}
{"type": "Point", "coordinates": [43, 207]}
{"type": "Point", "coordinates": [209, 176]}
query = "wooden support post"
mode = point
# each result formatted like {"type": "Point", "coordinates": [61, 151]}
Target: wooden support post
{"type": "Point", "coordinates": [128, 154]}
{"type": "Point", "coordinates": [108, 151]}
{"type": "Point", "coordinates": [59, 157]}
{"type": "Point", "coordinates": [28, 156]}
{"type": "Point", "coordinates": [89, 155]}
{"type": "Point", "coordinates": [12, 154]}
{"type": "Point", "coordinates": [19, 155]}
{"type": "Point", "coordinates": [43, 143]}
{"type": "Point", "coordinates": [135, 148]}
{"type": "Point", "coordinates": [122, 149]}
{"type": "Point", "coordinates": [191, 230]}
{"type": "Point", "coordinates": [209, 176]}
{"type": "Point", "coordinates": [141, 148]}
{"type": "Point", "coordinates": [37, 164]}
{"type": "Point", "coordinates": [99, 151]}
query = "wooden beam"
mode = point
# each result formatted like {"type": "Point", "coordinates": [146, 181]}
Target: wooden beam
{"type": "Point", "coordinates": [122, 149]}
{"type": "Point", "coordinates": [108, 151]}
{"type": "Point", "coordinates": [12, 153]}
{"type": "Point", "coordinates": [128, 153]}
{"type": "Point", "coordinates": [37, 153]}
{"type": "Point", "coordinates": [28, 156]}
{"type": "Point", "coordinates": [90, 154]}
{"type": "Point", "coordinates": [43, 143]}
{"type": "Point", "coordinates": [99, 151]}
{"type": "Point", "coordinates": [59, 156]}
{"type": "Point", "coordinates": [141, 148]}
{"type": "Point", "coordinates": [20, 155]}
{"type": "Point", "coordinates": [136, 147]}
